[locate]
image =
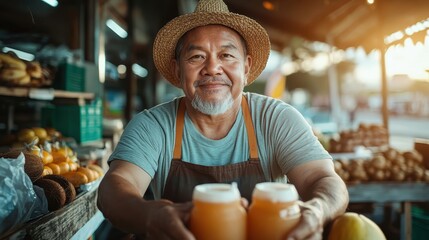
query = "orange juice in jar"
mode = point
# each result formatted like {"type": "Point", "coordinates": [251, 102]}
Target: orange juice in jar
{"type": "Point", "coordinates": [274, 211]}
{"type": "Point", "coordinates": [217, 213]}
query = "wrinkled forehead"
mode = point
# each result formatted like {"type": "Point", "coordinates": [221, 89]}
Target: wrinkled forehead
{"type": "Point", "coordinates": [218, 28]}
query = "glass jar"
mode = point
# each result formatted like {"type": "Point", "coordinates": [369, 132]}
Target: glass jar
{"type": "Point", "coordinates": [274, 211]}
{"type": "Point", "coordinates": [217, 213]}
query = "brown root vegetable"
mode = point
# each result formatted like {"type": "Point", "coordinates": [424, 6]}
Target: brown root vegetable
{"type": "Point", "coordinates": [338, 166]}
{"type": "Point", "coordinates": [426, 176]}
{"type": "Point", "coordinates": [54, 193]}
{"type": "Point", "coordinates": [418, 174]}
{"type": "Point", "coordinates": [379, 162]}
{"type": "Point", "coordinates": [33, 166]}
{"type": "Point", "coordinates": [397, 176]}
{"type": "Point", "coordinates": [378, 175]}
{"type": "Point", "coordinates": [344, 175]}
{"type": "Point", "coordinates": [66, 185]}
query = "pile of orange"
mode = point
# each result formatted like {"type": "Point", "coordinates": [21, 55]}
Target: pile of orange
{"type": "Point", "coordinates": [59, 161]}
{"type": "Point", "coordinates": [63, 161]}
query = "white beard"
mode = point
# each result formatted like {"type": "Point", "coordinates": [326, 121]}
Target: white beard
{"type": "Point", "coordinates": [213, 108]}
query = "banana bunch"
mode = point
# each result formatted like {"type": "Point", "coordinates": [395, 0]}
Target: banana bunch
{"type": "Point", "coordinates": [16, 72]}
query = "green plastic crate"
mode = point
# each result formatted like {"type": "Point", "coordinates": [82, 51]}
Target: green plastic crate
{"type": "Point", "coordinates": [70, 77]}
{"type": "Point", "coordinates": [420, 223]}
{"type": "Point", "coordinates": [47, 116]}
{"type": "Point", "coordinates": [83, 123]}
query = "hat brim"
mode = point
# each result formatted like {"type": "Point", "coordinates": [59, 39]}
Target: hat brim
{"type": "Point", "coordinates": [257, 40]}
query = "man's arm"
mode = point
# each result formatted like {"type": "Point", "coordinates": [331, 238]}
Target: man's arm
{"type": "Point", "coordinates": [120, 199]}
{"type": "Point", "coordinates": [324, 192]}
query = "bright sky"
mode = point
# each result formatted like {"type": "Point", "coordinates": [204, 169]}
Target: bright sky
{"type": "Point", "coordinates": [410, 59]}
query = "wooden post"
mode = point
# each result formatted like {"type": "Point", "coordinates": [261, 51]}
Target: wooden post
{"type": "Point", "coordinates": [384, 85]}
{"type": "Point", "coordinates": [408, 221]}
{"type": "Point", "coordinates": [333, 88]}
{"type": "Point", "coordinates": [382, 48]}
{"type": "Point", "coordinates": [131, 85]}
{"type": "Point", "coordinates": [91, 30]}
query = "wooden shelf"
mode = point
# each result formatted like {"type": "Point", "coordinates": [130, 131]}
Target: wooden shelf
{"type": "Point", "coordinates": [45, 94]}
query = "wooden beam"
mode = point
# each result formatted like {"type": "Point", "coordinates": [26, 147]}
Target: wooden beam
{"type": "Point", "coordinates": [335, 12]}
{"type": "Point", "coordinates": [294, 28]}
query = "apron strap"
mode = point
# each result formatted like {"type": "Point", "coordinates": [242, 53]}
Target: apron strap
{"type": "Point", "coordinates": [180, 120]}
{"type": "Point", "coordinates": [253, 146]}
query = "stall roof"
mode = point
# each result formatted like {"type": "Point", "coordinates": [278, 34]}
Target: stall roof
{"type": "Point", "coordinates": [343, 23]}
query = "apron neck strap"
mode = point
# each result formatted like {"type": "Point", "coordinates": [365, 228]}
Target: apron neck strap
{"type": "Point", "coordinates": [253, 146]}
{"type": "Point", "coordinates": [180, 120]}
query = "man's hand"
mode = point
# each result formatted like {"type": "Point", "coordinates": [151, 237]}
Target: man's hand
{"type": "Point", "coordinates": [311, 225]}
{"type": "Point", "coordinates": [325, 195]}
{"type": "Point", "coordinates": [168, 220]}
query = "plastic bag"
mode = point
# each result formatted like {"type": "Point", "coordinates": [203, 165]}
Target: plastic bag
{"type": "Point", "coordinates": [19, 201]}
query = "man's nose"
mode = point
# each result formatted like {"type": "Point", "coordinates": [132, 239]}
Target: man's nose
{"type": "Point", "coordinates": [213, 66]}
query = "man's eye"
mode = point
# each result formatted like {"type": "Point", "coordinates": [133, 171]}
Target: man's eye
{"type": "Point", "coordinates": [196, 57]}
{"type": "Point", "coordinates": [227, 55]}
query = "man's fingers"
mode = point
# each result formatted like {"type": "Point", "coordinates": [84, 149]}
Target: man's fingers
{"type": "Point", "coordinates": [310, 226]}
{"type": "Point", "coordinates": [178, 230]}
{"type": "Point", "coordinates": [244, 203]}
{"type": "Point", "coordinates": [169, 222]}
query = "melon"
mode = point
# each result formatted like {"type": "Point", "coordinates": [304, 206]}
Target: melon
{"type": "Point", "coordinates": [354, 226]}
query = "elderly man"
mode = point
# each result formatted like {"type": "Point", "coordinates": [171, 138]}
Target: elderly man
{"type": "Point", "coordinates": [215, 133]}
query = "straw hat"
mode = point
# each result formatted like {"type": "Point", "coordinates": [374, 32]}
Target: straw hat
{"type": "Point", "coordinates": [211, 12]}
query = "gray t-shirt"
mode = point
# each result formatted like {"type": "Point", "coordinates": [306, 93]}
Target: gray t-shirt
{"type": "Point", "coordinates": [285, 140]}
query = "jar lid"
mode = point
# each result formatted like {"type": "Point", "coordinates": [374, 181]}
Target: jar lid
{"type": "Point", "coordinates": [216, 192]}
{"type": "Point", "coordinates": [275, 192]}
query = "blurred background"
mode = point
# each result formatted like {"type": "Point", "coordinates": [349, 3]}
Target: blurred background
{"type": "Point", "coordinates": [340, 62]}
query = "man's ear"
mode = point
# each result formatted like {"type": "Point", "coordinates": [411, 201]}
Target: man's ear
{"type": "Point", "coordinates": [247, 66]}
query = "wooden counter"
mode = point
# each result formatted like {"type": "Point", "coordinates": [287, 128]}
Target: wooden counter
{"type": "Point", "coordinates": [405, 193]}
{"type": "Point", "coordinates": [389, 192]}
{"type": "Point", "coordinates": [77, 220]}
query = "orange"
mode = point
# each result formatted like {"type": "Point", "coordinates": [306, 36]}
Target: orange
{"type": "Point", "coordinates": [73, 166]}
{"type": "Point", "coordinates": [55, 168]}
{"type": "Point", "coordinates": [76, 178]}
{"type": "Point", "coordinates": [88, 172]}
{"type": "Point", "coordinates": [35, 150]}
{"type": "Point", "coordinates": [59, 156]}
{"type": "Point", "coordinates": [47, 171]}
{"type": "Point", "coordinates": [64, 167]}
{"type": "Point", "coordinates": [40, 132]}
{"type": "Point", "coordinates": [26, 135]}
{"type": "Point", "coordinates": [46, 157]}
{"type": "Point", "coordinates": [97, 169]}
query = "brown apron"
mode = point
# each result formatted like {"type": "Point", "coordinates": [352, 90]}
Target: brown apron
{"type": "Point", "coordinates": [184, 176]}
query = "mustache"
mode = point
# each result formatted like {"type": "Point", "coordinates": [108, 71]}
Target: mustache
{"type": "Point", "coordinates": [212, 80]}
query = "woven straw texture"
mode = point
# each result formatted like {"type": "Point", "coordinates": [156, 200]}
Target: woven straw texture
{"type": "Point", "coordinates": [211, 12]}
